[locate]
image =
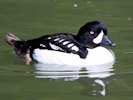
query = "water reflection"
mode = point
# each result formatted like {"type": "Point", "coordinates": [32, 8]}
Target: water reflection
{"type": "Point", "coordinates": [93, 78]}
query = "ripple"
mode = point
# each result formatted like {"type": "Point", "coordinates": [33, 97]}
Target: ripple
{"type": "Point", "coordinates": [95, 77]}
{"type": "Point", "coordinates": [61, 71]}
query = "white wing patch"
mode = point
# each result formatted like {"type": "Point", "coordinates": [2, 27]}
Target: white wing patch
{"type": "Point", "coordinates": [42, 45]}
{"type": "Point", "coordinates": [57, 39]}
{"type": "Point", "coordinates": [55, 47]}
{"type": "Point", "coordinates": [66, 42]}
{"type": "Point", "coordinates": [70, 45]}
{"type": "Point", "coordinates": [61, 40]}
{"type": "Point", "coordinates": [75, 48]}
{"type": "Point", "coordinates": [60, 43]}
{"type": "Point", "coordinates": [49, 38]}
{"type": "Point", "coordinates": [99, 38]}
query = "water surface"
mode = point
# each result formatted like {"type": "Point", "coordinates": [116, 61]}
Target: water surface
{"type": "Point", "coordinates": [33, 18]}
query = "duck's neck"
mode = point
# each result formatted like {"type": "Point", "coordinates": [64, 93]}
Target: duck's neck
{"type": "Point", "coordinates": [85, 41]}
{"type": "Point", "coordinates": [82, 40]}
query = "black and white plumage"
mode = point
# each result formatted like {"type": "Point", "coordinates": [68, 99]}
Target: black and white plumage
{"type": "Point", "coordinates": [63, 42]}
{"type": "Point", "coordinates": [91, 35]}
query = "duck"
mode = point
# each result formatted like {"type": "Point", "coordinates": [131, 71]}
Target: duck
{"type": "Point", "coordinates": [88, 47]}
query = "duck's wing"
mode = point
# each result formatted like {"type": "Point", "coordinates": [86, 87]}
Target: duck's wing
{"type": "Point", "coordinates": [62, 42]}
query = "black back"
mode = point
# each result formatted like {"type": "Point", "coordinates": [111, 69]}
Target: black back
{"type": "Point", "coordinates": [59, 42]}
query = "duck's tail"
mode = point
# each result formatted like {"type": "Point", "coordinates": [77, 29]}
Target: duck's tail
{"type": "Point", "coordinates": [20, 47]}
{"type": "Point", "coordinates": [10, 38]}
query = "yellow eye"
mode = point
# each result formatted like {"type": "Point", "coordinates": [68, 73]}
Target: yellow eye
{"type": "Point", "coordinates": [91, 32]}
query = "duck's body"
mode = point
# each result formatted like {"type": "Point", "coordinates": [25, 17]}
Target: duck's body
{"type": "Point", "coordinates": [93, 58]}
{"type": "Point", "coordinates": [59, 42]}
{"type": "Point", "coordinates": [85, 48]}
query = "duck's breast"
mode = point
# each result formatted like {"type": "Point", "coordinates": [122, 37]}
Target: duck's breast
{"type": "Point", "coordinates": [100, 55]}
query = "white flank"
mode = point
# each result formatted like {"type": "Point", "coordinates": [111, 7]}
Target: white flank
{"type": "Point", "coordinates": [99, 38]}
{"type": "Point", "coordinates": [96, 56]}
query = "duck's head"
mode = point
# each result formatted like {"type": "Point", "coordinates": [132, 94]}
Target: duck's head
{"type": "Point", "coordinates": [20, 46]}
{"type": "Point", "coordinates": [94, 34]}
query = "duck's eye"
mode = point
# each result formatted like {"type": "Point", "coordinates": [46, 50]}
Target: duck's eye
{"type": "Point", "coordinates": [91, 32]}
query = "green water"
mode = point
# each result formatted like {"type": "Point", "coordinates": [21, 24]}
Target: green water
{"type": "Point", "coordinates": [33, 18]}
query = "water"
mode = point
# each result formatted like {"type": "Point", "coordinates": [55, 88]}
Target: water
{"type": "Point", "coordinates": [33, 18]}
{"type": "Point", "coordinates": [94, 78]}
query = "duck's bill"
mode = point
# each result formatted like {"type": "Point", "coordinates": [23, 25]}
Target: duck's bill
{"type": "Point", "coordinates": [107, 42]}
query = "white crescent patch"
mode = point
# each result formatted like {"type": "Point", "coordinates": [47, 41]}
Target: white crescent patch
{"type": "Point", "coordinates": [99, 38]}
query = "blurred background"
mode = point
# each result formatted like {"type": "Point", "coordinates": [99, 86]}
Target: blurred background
{"type": "Point", "coordinates": [33, 18]}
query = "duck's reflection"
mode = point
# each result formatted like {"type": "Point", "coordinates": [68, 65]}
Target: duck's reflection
{"type": "Point", "coordinates": [96, 83]}
{"type": "Point", "coordinates": [93, 78]}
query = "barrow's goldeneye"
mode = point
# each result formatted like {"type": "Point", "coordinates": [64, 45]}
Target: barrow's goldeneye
{"type": "Point", "coordinates": [91, 35]}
